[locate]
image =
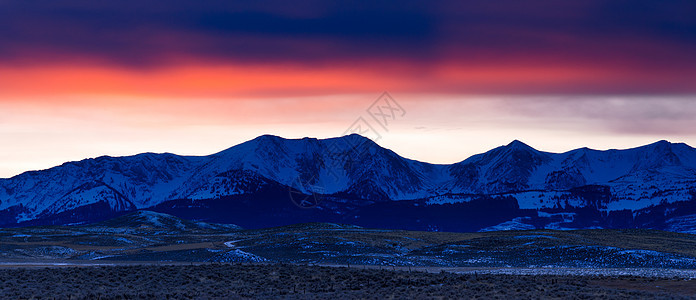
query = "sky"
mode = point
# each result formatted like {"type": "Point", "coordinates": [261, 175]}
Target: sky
{"type": "Point", "coordinates": [82, 79]}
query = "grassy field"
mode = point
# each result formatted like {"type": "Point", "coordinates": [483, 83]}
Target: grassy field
{"type": "Point", "coordinates": [159, 256]}
{"type": "Point", "coordinates": [166, 238]}
{"type": "Point", "coordinates": [242, 281]}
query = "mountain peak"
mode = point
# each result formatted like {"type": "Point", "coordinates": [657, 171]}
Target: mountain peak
{"type": "Point", "coordinates": [268, 137]}
{"type": "Point", "coordinates": [355, 136]}
{"type": "Point", "coordinates": [352, 140]}
{"type": "Point", "coordinates": [660, 143]}
{"type": "Point", "coordinates": [661, 146]}
{"type": "Point", "coordinates": [517, 144]}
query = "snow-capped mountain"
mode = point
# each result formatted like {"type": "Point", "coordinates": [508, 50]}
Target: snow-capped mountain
{"type": "Point", "coordinates": [354, 180]}
{"type": "Point", "coordinates": [122, 183]}
{"type": "Point", "coordinates": [324, 166]}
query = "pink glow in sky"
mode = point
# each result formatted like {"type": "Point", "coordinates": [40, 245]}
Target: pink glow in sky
{"type": "Point", "coordinates": [436, 128]}
{"type": "Point", "coordinates": [81, 79]}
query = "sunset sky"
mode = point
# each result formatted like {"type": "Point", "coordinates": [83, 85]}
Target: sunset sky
{"type": "Point", "coordinates": [81, 79]}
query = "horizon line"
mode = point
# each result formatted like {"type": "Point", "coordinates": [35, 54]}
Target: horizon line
{"type": "Point", "coordinates": [344, 136]}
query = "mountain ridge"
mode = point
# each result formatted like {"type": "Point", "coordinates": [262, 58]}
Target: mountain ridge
{"type": "Point", "coordinates": [513, 142]}
{"type": "Point", "coordinates": [353, 174]}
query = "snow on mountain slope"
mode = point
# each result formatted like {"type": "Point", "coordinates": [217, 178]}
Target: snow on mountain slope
{"type": "Point", "coordinates": [89, 193]}
{"type": "Point", "coordinates": [638, 177]}
{"type": "Point", "coordinates": [635, 179]}
{"type": "Point", "coordinates": [518, 167]}
{"type": "Point", "coordinates": [140, 181]}
{"type": "Point", "coordinates": [347, 164]}
{"type": "Point", "coordinates": [355, 168]}
{"type": "Point", "coordinates": [503, 169]}
{"type": "Point", "coordinates": [234, 182]}
{"type": "Point", "coordinates": [328, 166]}
{"type": "Point", "coordinates": [152, 220]}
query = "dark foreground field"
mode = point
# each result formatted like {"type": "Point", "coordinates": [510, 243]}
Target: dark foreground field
{"type": "Point", "coordinates": [147, 237]}
{"type": "Point", "coordinates": [296, 281]}
{"type": "Point", "coordinates": [123, 257]}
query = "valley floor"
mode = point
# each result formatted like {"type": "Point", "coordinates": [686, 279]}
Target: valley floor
{"type": "Point", "coordinates": [289, 281]}
{"type": "Point", "coordinates": [150, 255]}
{"type": "Point", "coordinates": [332, 244]}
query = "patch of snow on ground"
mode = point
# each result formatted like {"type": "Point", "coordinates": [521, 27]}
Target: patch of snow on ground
{"type": "Point", "coordinates": [124, 240]}
{"type": "Point", "coordinates": [641, 272]}
{"type": "Point", "coordinates": [535, 236]}
{"type": "Point", "coordinates": [237, 255]}
{"type": "Point", "coordinates": [447, 199]}
{"type": "Point", "coordinates": [231, 244]}
{"type": "Point", "coordinates": [514, 224]}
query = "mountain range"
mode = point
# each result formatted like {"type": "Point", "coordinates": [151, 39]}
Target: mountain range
{"type": "Point", "coordinates": [272, 181]}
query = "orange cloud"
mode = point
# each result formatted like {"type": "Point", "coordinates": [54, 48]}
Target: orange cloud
{"type": "Point", "coordinates": [190, 81]}
{"type": "Point", "coordinates": [450, 76]}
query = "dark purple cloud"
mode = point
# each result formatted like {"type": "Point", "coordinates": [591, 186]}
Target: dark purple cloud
{"type": "Point", "coordinates": [628, 36]}
{"type": "Point", "coordinates": [139, 33]}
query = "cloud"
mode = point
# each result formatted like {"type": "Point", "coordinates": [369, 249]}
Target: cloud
{"type": "Point", "coordinates": [509, 47]}
{"type": "Point", "coordinates": [630, 115]}
{"type": "Point", "coordinates": [141, 34]}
